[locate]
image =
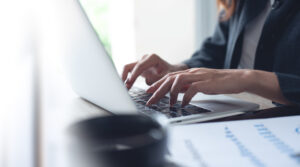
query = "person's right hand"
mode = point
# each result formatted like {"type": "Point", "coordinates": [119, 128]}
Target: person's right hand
{"type": "Point", "coordinates": [151, 67]}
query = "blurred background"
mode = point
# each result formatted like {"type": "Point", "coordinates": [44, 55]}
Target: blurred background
{"type": "Point", "coordinates": [33, 88]}
{"type": "Point", "coordinates": [132, 28]}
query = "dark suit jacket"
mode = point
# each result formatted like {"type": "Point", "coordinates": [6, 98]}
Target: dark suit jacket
{"type": "Point", "coordinates": [278, 48]}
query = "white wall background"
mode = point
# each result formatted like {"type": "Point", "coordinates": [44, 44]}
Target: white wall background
{"type": "Point", "coordinates": [122, 32]}
{"type": "Point", "coordinates": [206, 19]}
{"type": "Point", "coordinates": [165, 27]}
{"type": "Point", "coordinates": [173, 29]}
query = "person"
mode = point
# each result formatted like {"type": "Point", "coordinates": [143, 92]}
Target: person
{"type": "Point", "coordinates": [255, 48]}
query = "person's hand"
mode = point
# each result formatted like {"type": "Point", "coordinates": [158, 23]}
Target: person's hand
{"type": "Point", "coordinates": [207, 81]}
{"type": "Point", "coordinates": [151, 67]}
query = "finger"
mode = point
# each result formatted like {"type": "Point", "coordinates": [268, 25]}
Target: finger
{"type": "Point", "coordinates": [151, 80]}
{"type": "Point", "coordinates": [140, 67]}
{"type": "Point", "coordinates": [150, 77]}
{"type": "Point", "coordinates": [197, 70]}
{"type": "Point", "coordinates": [127, 68]}
{"type": "Point", "coordinates": [161, 91]}
{"type": "Point", "coordinates": [179, 84]}
{"type": "Point", "coordinates": [190, 93]}
{"type": "Point", "coordinates": [158, 83]}
{"type": "Point", "coordinates": [185, 88]}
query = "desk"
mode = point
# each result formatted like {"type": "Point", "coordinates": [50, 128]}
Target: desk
{"type": "Point", "coordinates": [265, 113]}
{"type": "Point", "coordinates": [60, 107]}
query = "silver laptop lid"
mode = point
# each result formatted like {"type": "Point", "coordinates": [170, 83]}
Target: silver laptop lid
{"type": "Point", "coordinates": [88, 66]}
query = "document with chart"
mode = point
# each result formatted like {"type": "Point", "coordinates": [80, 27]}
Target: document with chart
{"type": "Point", "coordinates": [250, 143]}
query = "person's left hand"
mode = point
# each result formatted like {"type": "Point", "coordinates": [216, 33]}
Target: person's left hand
{"type": "Point", "coordinates": [192, 81]}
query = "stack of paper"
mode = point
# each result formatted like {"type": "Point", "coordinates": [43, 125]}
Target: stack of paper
{"type": "Point", "coordinates": [258, 143]}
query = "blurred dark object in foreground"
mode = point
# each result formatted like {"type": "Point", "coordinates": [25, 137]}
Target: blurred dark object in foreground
{"type": "Point", "coordinates": [118, 141]}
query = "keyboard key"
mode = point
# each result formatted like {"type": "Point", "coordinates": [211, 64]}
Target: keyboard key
{"type": "Point", "coordinates": [185, 112]}
{"type": "Point", "coordinates": [141, 97]}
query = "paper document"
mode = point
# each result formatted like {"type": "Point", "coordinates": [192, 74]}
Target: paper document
{"type": "Point", "coordinates": [254, 143]}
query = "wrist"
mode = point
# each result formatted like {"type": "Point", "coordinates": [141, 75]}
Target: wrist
{"type": "Point", "coordinates": [248, 78]}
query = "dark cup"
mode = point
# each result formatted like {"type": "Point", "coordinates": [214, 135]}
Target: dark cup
{"type": "Point", "coordinates": [119, 141]}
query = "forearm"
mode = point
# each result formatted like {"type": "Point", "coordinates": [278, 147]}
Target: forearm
{"type": "Point", "coordinates": [264, 84]}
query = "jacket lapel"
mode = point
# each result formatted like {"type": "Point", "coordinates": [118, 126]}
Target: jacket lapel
{"type": "Point", "coordinates": [272, 31]}
{"type": "Point", "coordinates": [246, 11]}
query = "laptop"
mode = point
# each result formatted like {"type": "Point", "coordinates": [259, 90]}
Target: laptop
{"type": "Point", "coordinates": [94, 77]}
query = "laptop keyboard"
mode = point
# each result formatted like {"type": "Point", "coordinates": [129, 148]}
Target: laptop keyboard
{"type": "Point", "coordinates": [140, 97]}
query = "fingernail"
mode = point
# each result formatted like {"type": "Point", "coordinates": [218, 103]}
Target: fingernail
{"type": "Point", "coordinates": [128, 86]}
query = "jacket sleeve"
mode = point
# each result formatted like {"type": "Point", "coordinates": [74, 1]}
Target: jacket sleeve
{"type": "Point", "coordinates": [290, 86]}
{"type": "Point", "coordinates": [213, 50]}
